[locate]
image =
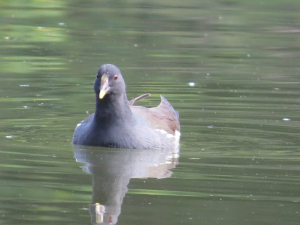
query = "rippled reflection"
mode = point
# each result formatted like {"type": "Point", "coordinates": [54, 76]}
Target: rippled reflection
{"type": "Point", "coordinates": [112, 170]}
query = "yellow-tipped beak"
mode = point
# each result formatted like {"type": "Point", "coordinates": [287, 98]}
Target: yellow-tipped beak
{"type": "Point", "coordinates": [104, 88]}
{"type": "Point", "coordinates": [102, 94]}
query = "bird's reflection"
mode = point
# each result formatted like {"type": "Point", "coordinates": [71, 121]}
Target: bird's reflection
{"type": "Point", "coordinates": [112, 170]}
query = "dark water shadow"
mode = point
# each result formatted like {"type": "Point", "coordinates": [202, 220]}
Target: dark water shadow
{"type": "Point", "coordinates": [112, 170]}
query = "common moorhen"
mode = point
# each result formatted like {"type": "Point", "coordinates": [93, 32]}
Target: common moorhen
{"type": "Point", "coordinates": [118, 123]}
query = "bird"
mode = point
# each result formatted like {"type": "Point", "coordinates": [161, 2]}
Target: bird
{"type": "Point", "coordinates": [118, 123]}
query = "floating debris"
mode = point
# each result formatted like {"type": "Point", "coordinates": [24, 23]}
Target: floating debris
{"type": "Point", "coordinates": [211, 126]}
{"type": "Point", "coordinates": [9, 136]}
{"type": "Point", "coordinates": [61, 24]}
{"type": "Point", "coordinates": [191, 84]}
{"type": "Point", "coordinates": [286, 119]}
{"type": "Point", "coordinates": [24, 85]}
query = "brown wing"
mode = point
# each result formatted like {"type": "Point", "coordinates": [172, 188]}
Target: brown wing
{"type": "Point", "coordinates": [162, 117]}
{"type": "Point", "coordinates": [132, 101]}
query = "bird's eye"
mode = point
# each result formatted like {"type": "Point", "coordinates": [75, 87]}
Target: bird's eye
{"type": "Point", "coordinates": [116, 77]}
{"type": "Point", "coordinates": [98, 76]}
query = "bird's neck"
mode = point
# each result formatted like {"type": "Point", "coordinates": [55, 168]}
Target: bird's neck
{"type": "Point", "coordinates": [113, 108]}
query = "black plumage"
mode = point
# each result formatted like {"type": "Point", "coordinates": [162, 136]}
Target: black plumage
{"type": "Point", "coordinates": [118, 123]}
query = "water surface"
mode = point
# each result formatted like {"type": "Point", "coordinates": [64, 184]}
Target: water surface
{"type": "Point", "coordinates": [230, 68]}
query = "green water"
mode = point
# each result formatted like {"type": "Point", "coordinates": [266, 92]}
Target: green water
{"type": "Point", "coordinates": [239, 156]}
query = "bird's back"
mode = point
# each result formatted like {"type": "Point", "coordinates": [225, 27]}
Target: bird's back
{"type": "Point", "coordinates": [163, 117]}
